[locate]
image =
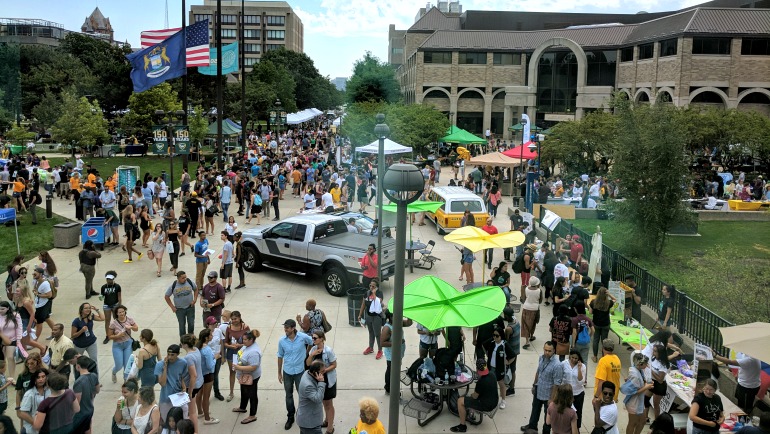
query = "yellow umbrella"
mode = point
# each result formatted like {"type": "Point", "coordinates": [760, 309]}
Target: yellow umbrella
{"type": "Point", "coordinates": [476, 239]}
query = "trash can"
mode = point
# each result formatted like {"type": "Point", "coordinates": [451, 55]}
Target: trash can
{"type": "Point", "coordinates": [66, 235]}
{"type": "Point", "coordinates": [355, 295]}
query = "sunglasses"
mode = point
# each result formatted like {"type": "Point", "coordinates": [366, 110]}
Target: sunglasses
{"type": "Point", "coordinates": [22, 272]}
{"type": "Point", "coordinates": [212, 277]}
{"type": "Point", "coordinates": [316, 337]}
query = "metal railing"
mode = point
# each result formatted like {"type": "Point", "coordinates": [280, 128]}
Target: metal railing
{"type": "Point", "coordinates": [690, 317]}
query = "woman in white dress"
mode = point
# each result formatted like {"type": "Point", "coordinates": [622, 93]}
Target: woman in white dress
{"type": "Point", "coordinates": [147, 420]}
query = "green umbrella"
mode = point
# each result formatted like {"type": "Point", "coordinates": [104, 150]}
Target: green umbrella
{"type": "Point", "coordinates": [520, 126]}
{"type": "Point", "coordinates": [462, 137]}
{"type": "Point", "coordinates": [418, 206]}
{"type": "Point", "coordinates": [435, 303]}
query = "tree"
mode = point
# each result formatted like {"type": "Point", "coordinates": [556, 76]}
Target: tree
{"type": "Point", "coordinates": [81, 122]}
{"type": "Point", "coordinates": [372, 81]}
{"type": "Point", "coordinates": [416, 125]}
{"type": "Point", "coordinates": [10, 84]}
{"type": "Point", "coordinates": [19, 135]}
{"type": "Point", "coordinates": [311, 87]}
{"type": "Point", "coordinates": [358, 123]}
{"type": "Point", "coordinates": [652, 172]}
{"type": "Point", "coordinates": [47, 112]}
{"type": "Point", "coordinates": [198, 126]}
{"type": "Point", "coordinates": [6, 118]}
{"type": "Point", "coordinates": [579, 144]}
{"type": "Point", "coordinates": [142, 107]}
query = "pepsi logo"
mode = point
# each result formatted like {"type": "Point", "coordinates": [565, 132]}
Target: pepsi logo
{"type": "Point", "coordinates": [91, 233]}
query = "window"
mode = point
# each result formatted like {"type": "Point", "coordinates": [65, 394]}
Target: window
{"type": "Point", "coordinates": [473, 58]}
{"type": "Point", "coordinates": [506, 59]}
{"type": "Point", "coordinates": [646, 51]}
{"type": "Point", "coordinates": [202, 17]}
{"type": "Point", "coordinates": [251, 19]}
{"type": "Point", "coordinates": [251, 34]}
{"type": "Point", "coordinates": [251, 48]}
{"type": "Point", "coordinates": [250, 61]}
{"type": "Point", "coordinates": [397, 50]}
{"type": "Point", "coordinates": [755, 47]}
{"type": "Point", "coordinates": [667, 47]}
{"type": "Point", "coordinates": [281, 230]}
{"type": "Point", "coordinates": [627, 54]}
{"type": "Point", "coordinates": [271, 47]}
{"type": "Point", "coordinates": [299, 234]}
{"type": "Point", "coordinates": [228, 33]}
{"type": "Point", "coordinates": [276, 34]}
{"type": "Point", "coordinates": [461, 206]}
{"type": "Point", "coordinates": [444, 57]}
{"type": "Point", "coordinates": [711, 45]}
{"type": "Point", "coordinates": [275, 20]}
{"type": "Point", "coordinates": [228, 19]}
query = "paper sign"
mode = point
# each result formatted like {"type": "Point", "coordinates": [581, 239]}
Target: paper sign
{"type": "Point", "coordinates": [702, 352]}
{"type": "Point", "coordinates": [668, 400]}
{"type": "Point", "coordinates": [550, 220]}
{"type": "Point", "coordinates": [620, 296]}
{"type": "Point", "coordinates": [179, 399]}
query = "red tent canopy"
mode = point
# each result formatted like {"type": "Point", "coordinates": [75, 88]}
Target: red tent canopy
{"type": "Point", "coordinates": [521, 151]}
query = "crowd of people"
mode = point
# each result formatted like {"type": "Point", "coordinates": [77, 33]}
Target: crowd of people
{"type": "Point", "coordinates": [554, 278]}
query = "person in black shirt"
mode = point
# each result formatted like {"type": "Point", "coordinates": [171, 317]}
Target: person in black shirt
{"type": "Point", "coordinates": [483, 333]}
{"type": "Point", "coordinates": [193, 205]}
{"type": "Point", "coordinates": [111, 297]}
{"type": "Point", "coordinates": [666, 307]}
{"type": "Point", "coordinates": [637, 297]}
{"type": "Point", "coordinates": [706, 410]}
{"type": "Point", "coordinates": [484, 398]}
{"type": "Point", "coordinates": [71, 356]}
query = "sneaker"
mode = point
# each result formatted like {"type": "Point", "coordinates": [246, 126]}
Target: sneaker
{"type": "Point", "coordinates": [139, 257]}
{"type": "Point", "coordinates": [368, 350]}
{"type": "Point", "coordinates": [212, 421]}
{"type": "Point", "coordinates": [127, 261]}
{"type": "Point", "coordinates": [510, 392]}
{"type": "Point", "coordinates": [114, 378]}
{"type": "Point", "coordinates": [219, 397]}
{"type": "Point", "coordinates": [379, 355]}
{"type": "Point", "coordinates": [459, 428]}
{"type": "Point", "coordinates": [502, 404]}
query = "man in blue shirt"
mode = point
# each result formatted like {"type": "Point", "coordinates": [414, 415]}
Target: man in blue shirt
{"type": "Point", "coordinates": [201, 258]}
{"type": "Point", "coordinates": [171, 372]}
{"type": "Point", "coordinates": [549, 375]}
{"type": "Point", "coordinates": [292, 350]}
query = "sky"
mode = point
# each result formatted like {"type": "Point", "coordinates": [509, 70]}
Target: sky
{"type": "Point", "coordinates": [337, 32]}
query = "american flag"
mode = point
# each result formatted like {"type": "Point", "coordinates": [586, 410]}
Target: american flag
{"type": "Point", "coordinates": [197, 42]}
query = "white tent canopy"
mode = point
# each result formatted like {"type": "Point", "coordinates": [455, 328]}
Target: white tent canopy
{"type": "Point", "coordinates": [337, 121]}
{"type": "Point", "coordinates": [391, 147]}
{"type": "Point", "coordinates": [302, 116]}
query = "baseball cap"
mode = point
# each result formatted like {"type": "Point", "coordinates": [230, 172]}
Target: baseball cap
{"type": "Point", "coordinates": [176, 349]}
{"type": "Point", "coordinates": [213, 274]}
{"type": "Point", "coordinates": [39, 270]}
{"type": "Point", "coordinates": [290, 323]}
{"type": "Point", "coordinates": [481, 364]}
{"type": "Point", "coordinates": [211, 320]}
{"type": "Point", "coordinates": [194, 194]}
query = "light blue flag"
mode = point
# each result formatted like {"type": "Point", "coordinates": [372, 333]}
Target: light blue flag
{"type": "Point", "coordinates": [229, 60]}
{"type": "Point", "coordinates": [158, 63]}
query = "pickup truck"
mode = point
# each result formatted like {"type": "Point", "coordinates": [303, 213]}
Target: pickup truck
{"type": "Point", "coordinates": [317, 244]}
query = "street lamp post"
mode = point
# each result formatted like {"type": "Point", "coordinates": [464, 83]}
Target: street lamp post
{"type": "Point", "coordinates": [170, 126]}
{"type": "Point", "coordinates": [382, 131]}
{"type": "Point", "coordinates": [406, 183]}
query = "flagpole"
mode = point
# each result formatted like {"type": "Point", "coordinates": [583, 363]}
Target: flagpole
{"type": "Point", "coordinates": [184, 83]}
{"type": "Point", "coordinates": [243, 77]}
{"type": "Point", "coordinates": [220, 104]}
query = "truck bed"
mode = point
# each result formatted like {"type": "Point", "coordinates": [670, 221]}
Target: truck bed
{"type": "Point", "coordinates": [356, 242]}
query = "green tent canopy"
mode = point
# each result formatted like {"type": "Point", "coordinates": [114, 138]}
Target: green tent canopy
{"type": "Point", "coordinates": [227, 130]}
{"type": "Point", "coordinates": [461, 136]}
{"type": "Point", "coordinates": [519, 127]}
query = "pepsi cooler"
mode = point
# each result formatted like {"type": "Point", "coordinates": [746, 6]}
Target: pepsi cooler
{"type": "Point", "coordinates": [95, 229]}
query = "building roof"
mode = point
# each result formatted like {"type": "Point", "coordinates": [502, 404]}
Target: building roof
{"type": "Point", "coordinates": [96, 21]}
{"type": "Point", "coordinates": [434, 19]}
{"type": "Point", "coordinates": [696, 21]}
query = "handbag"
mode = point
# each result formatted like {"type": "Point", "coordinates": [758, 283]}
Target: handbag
{"type": "Point", "coordinates": [562, 348]}
{"type": "Point", "coordinates": [169, 247]}
{"type": "Point", "coordinates": [150, 254]}
{"type": "Point", "coordinates": [324, 323]}
{"type": "Point", "coordinates": [135, 345]}
{"type": "Point", "coordinates": [246, 379]}
{"type": "Point", "coordinates": [601, 430]}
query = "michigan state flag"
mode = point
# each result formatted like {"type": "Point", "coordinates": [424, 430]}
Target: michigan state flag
{"type": "Point", "coordinates": [229, 60]}
{"type": "Point", "coordinates": [158, 63]}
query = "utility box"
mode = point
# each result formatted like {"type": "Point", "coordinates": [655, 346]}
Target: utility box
{"type": "Point", "coordinates": [66, 235]}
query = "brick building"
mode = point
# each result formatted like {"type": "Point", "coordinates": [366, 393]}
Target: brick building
{"type": "Point", "coordinates": [484, 68]}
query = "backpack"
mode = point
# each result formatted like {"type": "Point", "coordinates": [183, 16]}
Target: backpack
{"type": "Point", "coordinates": [123, 200]}
{"type": "Point", "coordinates": [52, 282]}
{"type": "Point", "coordinates": [518, 264]}
{"type": "Point", "coordinates": [584, 335]}
{"type": "Point", "coordinates": [444, 361]}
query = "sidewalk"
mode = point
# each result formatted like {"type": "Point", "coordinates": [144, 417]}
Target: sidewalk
{"type": "Point", "coordinates": [269, 298]}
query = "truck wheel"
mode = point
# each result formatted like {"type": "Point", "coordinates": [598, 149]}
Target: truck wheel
{"type": "Point", "coordinates": [336, 281]}
{"type": "Point", "coordinates": [253, 261]}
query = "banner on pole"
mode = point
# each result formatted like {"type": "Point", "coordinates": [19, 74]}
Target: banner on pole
{"type": "Point", "coordinates": [229, 60]}
{"type": "Point", "coordinates": [159, 140]}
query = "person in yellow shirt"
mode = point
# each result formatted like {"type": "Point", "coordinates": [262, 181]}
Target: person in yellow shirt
{"type": "Point", "coordinates": [336, 193]}
{"type": "Point", "coordinates": [608, 369]}
{"type": "Point", "coordinates": [110, 184]}
{"type": "Point", "coordinates": [296, 179]}
{"type": "Point", "coordinates": [75, 186]}
{"type": "Point", "coordinates": [369, 413]}
{"type": "Point", "coordinates": [18, 193]}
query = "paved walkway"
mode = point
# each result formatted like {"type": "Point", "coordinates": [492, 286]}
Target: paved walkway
{"type": "Point", "coordinates": [268, 299]}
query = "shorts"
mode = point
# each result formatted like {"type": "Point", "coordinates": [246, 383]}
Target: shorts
{"type": "Point", "coordinates": [208, 378]}
{"type": "Point", "coordinates": [108, 307]}
{"type": "Point", "coordinates": [195, 391]}
{"type": "Point", "coordinates": [185, 188]}
{"type": "Point", "coordinates": [83, 425]}
{"type": "Point", "coordinates": [256, 209]}
{"type": "Point", "coordinates": [226, 271]}
{"type": "Point", "coordinates": [429, 347]}
{"type": "Point", "coordinates": [42, 313]}
{"type": "Point", "coordinates": [499, 374]}
{"type": "Point", "coordinates": [524, 279]}
{"type": "Point", "coordinates": [475, 404]}
{"type": "Point", "coordinates": [330, 392]}
{"type": "Point", "coordinates": [659, 388]}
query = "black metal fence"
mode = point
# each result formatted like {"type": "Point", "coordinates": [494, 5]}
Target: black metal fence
{"type": "Point", "coordinates": [690, 317]}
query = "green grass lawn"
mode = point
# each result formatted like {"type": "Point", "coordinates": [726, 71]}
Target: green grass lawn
{"type": "Point", "coordinates": [32, 238]}
{"type": "Point", "coordinates": [726, 268]}
{"type": "Point", "coordinates": [150, 163]}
